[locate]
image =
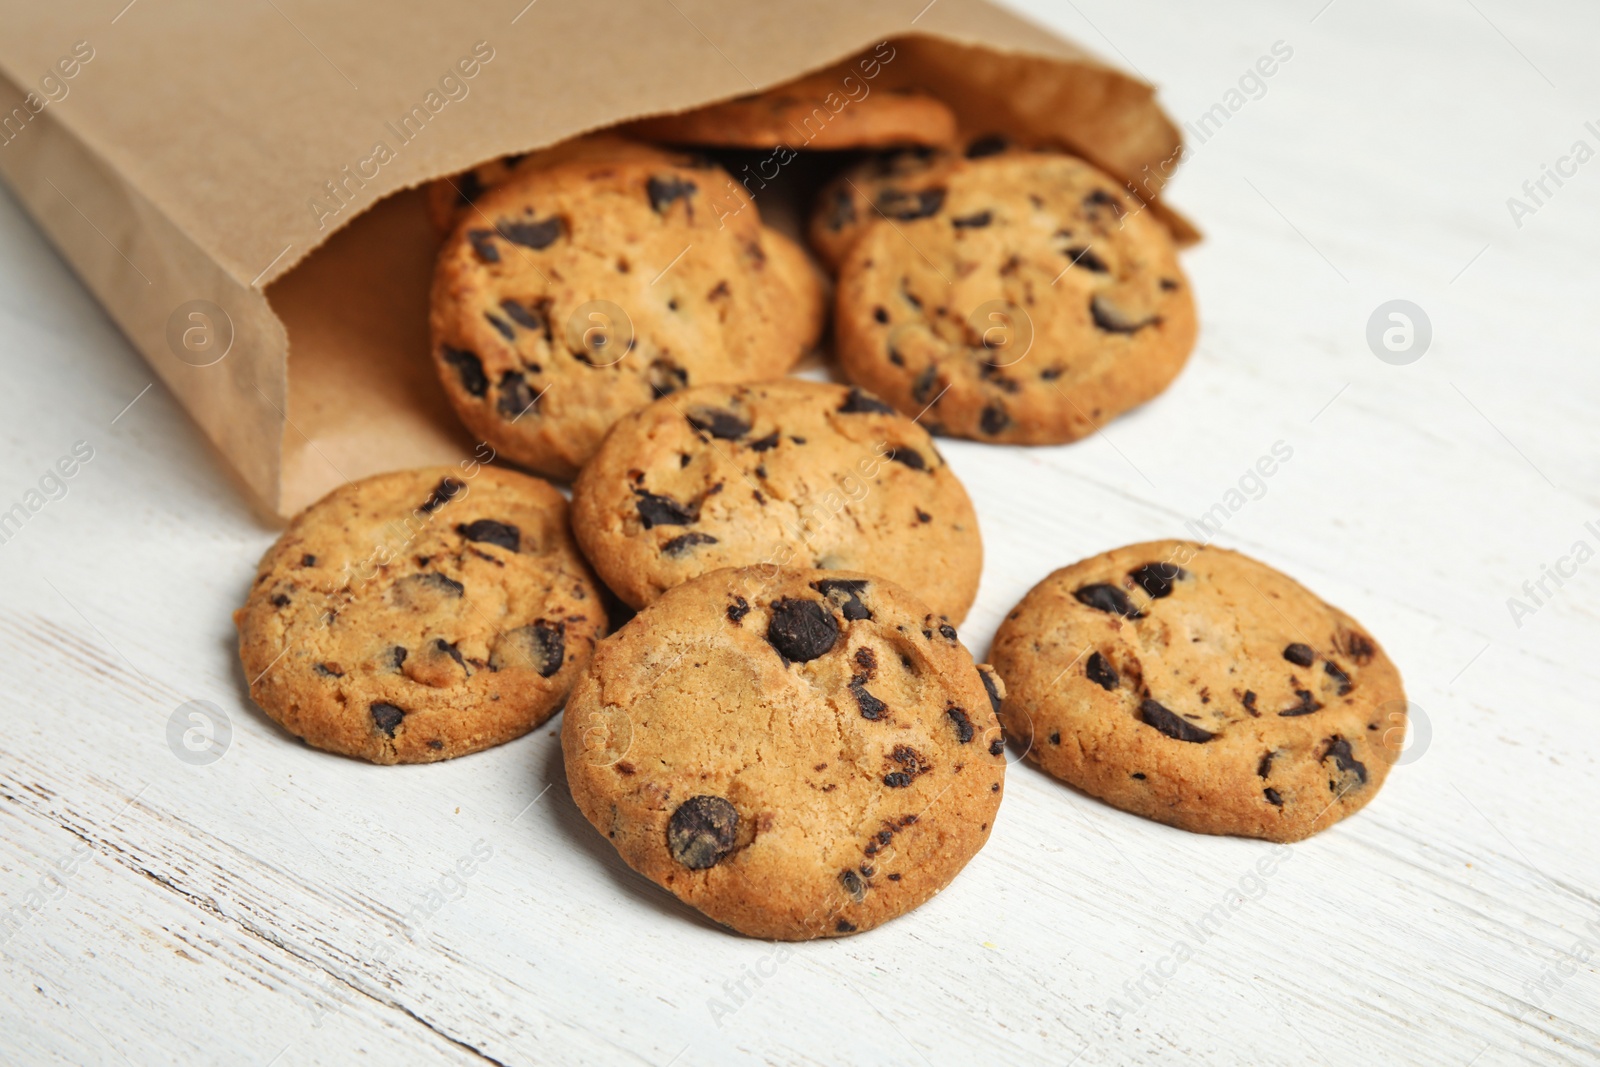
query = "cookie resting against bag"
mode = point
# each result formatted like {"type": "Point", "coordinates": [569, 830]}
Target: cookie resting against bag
{"type": "Point", "coordinates": [1201, 688]}
{"type": "Point", "coordinates": [420, 615]}
{"type": "Point", "coordinates": [796, 753]}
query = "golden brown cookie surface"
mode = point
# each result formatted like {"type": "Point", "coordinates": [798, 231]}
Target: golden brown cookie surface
{"type": "Point", "coordinates": [574, 293]}
{"type": "Point", "coordinates": [797, 754]}
{"type": "Point", "coordinates": [789, 472]}
{"type": "Point", "coordinates": [1021, 297]}
{"type": "Point", "coordinates": [420, 615]}
{"type": "Point", "coordinates": [1201, 688]}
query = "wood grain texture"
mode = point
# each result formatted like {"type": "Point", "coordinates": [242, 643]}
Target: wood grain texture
{"type": "Point", "coordinates": [282, 905]}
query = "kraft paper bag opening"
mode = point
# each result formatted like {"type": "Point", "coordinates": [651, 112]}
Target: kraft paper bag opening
{"type": "Point", "coordinates": [239, 185]}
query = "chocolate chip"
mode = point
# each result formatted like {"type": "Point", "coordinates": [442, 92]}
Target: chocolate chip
{"type": "Point", "coordinates": [522, 316]}
{"type": "Point", "coordinates": [973, 222]}
{"type": "Point", "coordinates": [1334, 671]}
{"type": "Point", "coordinates": [482, 242]}
{"type": "Point", "coordinates": [1102, 198]}
{"type": "Point", "coordinates": [1172, 724]}
{"type": "Point", "coordinates": [993, 419]}
{"type": "Point", "coordinates": [541, 646]}
{"type": "Point", "coordinates": [1100, 672]}
{"type": "Point", "coordinates": [842, 210]}
{"type": "Point", "coordinates": [1339, 749]}
{"type": "Point", "coordinates": [308, 560]}
{"type": "Point", "coordinates": [947, 631]}
{"type": "Point", "coordinates": [964, 731]}
{"type": "Point", "coordinates": [515, 396]}
{"type": "Point", "coordinates": [1139, 775]}
{"type": "Point", "coordinates": [1055, 738]}
{"type": "Point", "coordinates": [1299, 654]}
{"type": "Point", "coordinates": [657, 510]}
{"type": "Point", "coordinates": [738, 610]}
{"type": "Point", "coordinates": [1114, 319]}
{"type": "Point", "coordinates": [844, 926]}
{"type": "Point", "coordinates": [719, 423]}
{"type": "Point", "coordinates": [665, 378]}
{"type": "Point", "coordinates": [922, 386]}
{"type": "Point", "coordinates": [1307, 705]}
{"type": "Point", "coordinates": [501, 325]}
{"type": "Point", "coordinates": [279, 600]}
{"type": "Point", "coordinates": [1085, 258]}
{"type": "Point", "coordinates": [492, 532]}
{"type": "Point", "coordinates": [871, 707]}
{"type": "Point", "coordinates": [1264, 768]}
{"type": "Point", "coordinates": [764, 443]}
{"type": "Point", "coordinates": [988, 145]}
{"type": "Point", "coordinates": [860, 403]}
{"type": "Point", "coordinates": [1157, 579]}
{"type": "Point", "coordinates": [682, 543]}
{"type": "Point", "coordinates": [441, 645]}
{"type": "Point", "coordinates": [534, 235]}
{"type": "Point", "coordinates": [906, 207]}
{"type": "Point", "coordinates": [991, 688]}
{"type": "Point", "coordinates": [426, 586]}
{"type": "Point", "coordinates": [845, 592]}
{"type": "Point", "coordinates": [468, 187]}
{"type": "Point", "coordinates": [469, 368]}
{"type": "Point", "coordinates": [701, 831]}
{"type": "Point", "coordinates": [663, 191]}
{"type": "Point", "coordinates": [897, 779]}
{"type": "Point", "coordinates": [997, 746]}
{"type": "Point", "coordinates": [386, 717]}
{"type": "Point", "coordinates": [853, 885]}
{"type": "Point", "coordinates": [1249, 702]}
{"type": "Point", "coordinates": [328, 670]}
{"type": "Point", "coordinates": [447, 488]}
{"type": "Point", "coordinates": [1168, 284]}
{"type": "Point", "coordinates": [801, 630]}
{"type": "Point", "coordinates": [908, 457]}
{"type": "Point", "coordinates": [1108, 598]}
{"type": "Point", "coordinates": [397, 656]}
{"type": "Point", "coordinates": [1273, 796]}
{"type": "Point", "coordinates": [1359, 648]}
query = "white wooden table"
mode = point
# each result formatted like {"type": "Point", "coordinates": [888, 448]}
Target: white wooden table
{"type": "Point", "coordinates": [280, 904]}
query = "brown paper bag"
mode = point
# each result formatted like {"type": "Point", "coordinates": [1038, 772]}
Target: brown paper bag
{"type": "Point", "coordinates": [237, 184]}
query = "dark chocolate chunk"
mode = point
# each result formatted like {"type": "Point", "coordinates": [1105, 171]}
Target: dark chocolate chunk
{"type": "Point", "coordinates": [1273, 796]}
{"type": "Point", "coordinates": [532, 234]}
{"type": "Point", "coordinates": [1055, 738]}
{"type": "Point", "coordinates": [923, 385]}
{"type": "Point", "coordinates": [665, 378]}
{"type": "Point", "coordinates": [1108, 598]}
{"type": "Point", "coordinates": [897, 779]}
{"type": "Point", "coordinates": [1102, 198]}
{"type": "Point", "coordinates": [280, 600]}
{"type": "Point", "coordinates": [871, 707]}
{"type": "Point", "coordinates": [1100, 672]}
{"type": "Point", "coordinates": [702, 831]}
{"type": "Point", "coordinates": [1307, 705]}
{"type": "Point", "coordinates": [853, 885]}
{"type": "Point", "coordinates": [328, 670]}
{"type": "Point", "coordinates": [308, 560]}
{"type": "Point", "coordinates": [964, 731]}
{"type": "Point", "coordinates": [1171, 723]}
{"type": "Point", "coordinates": [974, 221]}
{"type": "Point", "coordinates": [663, 191]}
{"type": "Point", "coordinates": [1249, 702]}
{"type": "Point", "coordinates": [1139, 775]}
{"type": "Point", "coordinates": [908, 457]}
{"type": "Point", "coordinates": [469, 368]}
{"type": "Point", "coordinates": [904, 206]}
{"type": "Point", "coordinates": [1114, 319]}
{"type": "Point", "coordinates": [842, 210]}
{"type": "Point", "coordinates": [492, 532]}
{"type": "Point", "coordinates": [522, 316]}
{"type": "Point", "coordinates": [860, 403]}
{"type": "Point", "coordinates": [992, 689]}
{"type": "Point", "coordinates": [738, 610]}
{"type": "Point", "coordinates": [989, 145]}
{"type": "Point", "coordinates": [1300, 654]}
{"type": "Point", "coordinates": [501, 325]}
{"type": "Point", "coordinates": [844, 926]}
{"type": "Point", "coordinates": [1264, 768]}
{"type": "Point", "coordinates": [397, 656]}
{"type": "Point", "coordinates": [541, 645]}
{"type": "Point", "coordinates": [441, 645]}
{"type": "Point", "coordinates": [763, 444]}
{"type": "Point", "coordinates": [993, 419]}
{"type": "Point", "coordinates": [657, 510]}
{"type": "Point", "coordinates": [1168, 284]}
{"type": "Point", "coordinates": [1359, 648]}
{"type": "Point", "coordinates": [386, 717]}
{"type": "Point", "coordinates": [468, 188]}
{"type": "Point", "coordinates": [447, 488]}
{"type": "Point", "coordinates": [801, 630]}
{"type": "Point", "coordinates": [997, 746]}
{"type": "Point", "coordinates": [846, 592]}
{"type": "Point", "coordinates": [683, 542]}
{"type": "Point", "coordinates": [1157, 579]}
{"type": "Point", "coordinates": [947, 631]}
{"type": "Point", "coordinates": [482, 242]}
{"type": "Point", "coordinates": [1339, 750]}
{"type": "Point", "coordinates": [515, 396]}
{"type": "Point", "coordinates": [1085, 258]}
{"type": "Point", "coordinates": [1334, 671]}
{"type": "Point", "coordinates": [718, 423]}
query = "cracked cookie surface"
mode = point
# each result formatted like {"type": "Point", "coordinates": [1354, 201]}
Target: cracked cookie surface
{"type": "Point", "coordinates": [1020, 296]}
{"type": "Point", "coordinates": [420, 615]}
{"type": "Point", "coordinates": [1201, 688]}
{"type": "Point", "coordinates": [796, 753]}
{"type": "Point", "coordinates": [574, 292]}
{"type": "Point", "coordinates": [791, 473]}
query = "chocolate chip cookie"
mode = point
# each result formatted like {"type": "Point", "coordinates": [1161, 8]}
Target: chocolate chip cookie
{"type": "Point", "coordinates": [828, 110]}
{"type": "Point", "coordinates": [796, 753]}
{"type": "Point", "coordinates": [1198, 687]}
{"type": "Point", "coordinates": [1022, 297]}
{"type": "Point", "coordinates": [573, 293]}
{"type": "Point", "coordinates": [790, 472]}
{"type": "Point", "coordinates": [420, 615]}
